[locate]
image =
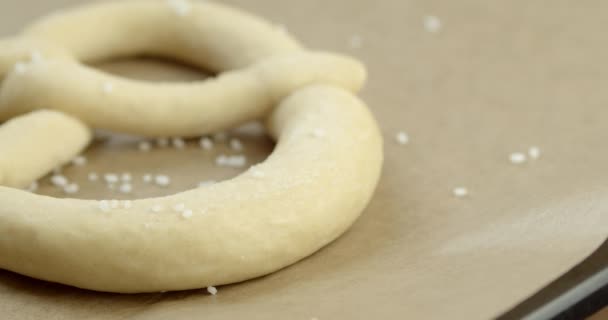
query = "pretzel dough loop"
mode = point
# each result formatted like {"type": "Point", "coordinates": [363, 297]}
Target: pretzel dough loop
{"type": "Point", "coordinates": [321, 175]}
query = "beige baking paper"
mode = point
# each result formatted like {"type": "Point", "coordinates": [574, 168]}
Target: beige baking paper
{"type": "Point", "coordinates": [498, 77]}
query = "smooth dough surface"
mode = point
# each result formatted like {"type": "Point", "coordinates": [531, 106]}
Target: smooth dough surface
{"type": "Point", "coordinates": [314, 185]}
{"type": "Point", "coordinates": [172, 109]}
{"type": "Point", "coordinates": [34, 144]}
{"type": "Point", "coordinates": [207, 34]}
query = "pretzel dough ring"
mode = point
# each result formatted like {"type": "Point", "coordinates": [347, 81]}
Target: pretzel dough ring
{"type": "Point", "coordinates": [313, 186]}
{"type": "Point", "coordinates": [260, 65]}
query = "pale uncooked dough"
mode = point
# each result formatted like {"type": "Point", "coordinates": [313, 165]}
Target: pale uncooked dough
{"type": "Point", "coordinates": [317, 181]}
{"type": "Point", "coordinates": [172, 109]}
{"type": "Point", "coordinates": [319, 178]}
{"type": "Point", "coordinates": [261, 64]}
{"type": "Point", "coordinates": [34, 144]}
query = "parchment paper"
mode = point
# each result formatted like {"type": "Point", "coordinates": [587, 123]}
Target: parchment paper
{"type": "Point", "coordinates": [498, 78]}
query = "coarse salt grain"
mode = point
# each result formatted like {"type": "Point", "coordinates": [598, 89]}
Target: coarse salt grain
{"type": "Point", "coordinates": [236, 145]}
{"type": "Point", "coordinates": [59, 180]}
{"type": "Point", "coordinates": [402, 138]}
{"type": "Point", "coordinates": [356, 41]}
{"type": "Point", "coordinates": [534, 152]}
{"type": "Point", "coordinates": [79, 161]}
{"type": "Point", "coordinates": [33, 187]}
{"type": "Point", "coordinates": [162, 180]}
{"type": "Point", "coordinates": [157, 208]}
{"type": "Point", "coordinates": [432, 24]}
{"type": "Point", "coordinates": [144, 146]}
{"type": "Point", "coordinates": [206, 143]}
{"type": "Point", "coordinates": [237, 161]}
{"type": "Point", "coordinates": [257, 173]}
{"type": "Point", "coordinates": [108, 87]}
{"type": "Point", "coordinates": [187, 214]}
{"type": "Point", "coordinates": [212, 290]}
{"type": "Point", "coordinates": [104, 205]}
{"type": "Point", "coordinates": [281, 28]}
{"type": "Point", "coordinates": [71, 188]}
{"type": "Point", "coordinates": [162, 142]}
{"type": "Point", "coordinates": [36, 57]}
{"type": "Point", "coordinates": [127, 204]}
{"type": "Point", "coordinates": [220, 136]}
{"type": "Point", "coordinates": [180, 7]}
{"type": "Point", "coordinates": [206, 183]}
{"type": "Point", "coordinates": [126, 188]}
{"type": "Point", "coordinates": [178, 143]}
{"type": "Point", "coordinates": [93, 176]}
{"type": "Point", "coordinates": [517, 158]}
{"type": "Point", "coordinates": [460, 192]}
{"type": "Point", "coordinates": [20, 68]}
{"type": "Point", "coordinates": [179, 207]}
{"type": "Point", "coordinates": [111, 178]}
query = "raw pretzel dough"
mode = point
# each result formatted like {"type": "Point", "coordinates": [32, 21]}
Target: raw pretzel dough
{"type": "Point", "coordinates": [262, 64]}
{"type": "Point", "coordinates": [36, 143]}
{"type": "Point", "coordinates": [191, 109]}
{"type": "Point", "coordinates": [319, 178]}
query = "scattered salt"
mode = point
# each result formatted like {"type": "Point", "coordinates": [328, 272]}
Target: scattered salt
{"type": "Point", "coordinates": [220, 136]}
{"type": "Point", "coordinates": [460, 192]}
{"type": "Point", "coordinates": [71, 188]}
{"type": "Point", "coordinates": [111, 178]}
{"type": "Point", "coordinates": [237, 161]}
{"type": "Point", "coordinates": [79, 161]}
{"type": "Point", "coordinates": [20, 68]}
{"type": "Point", "coordinates": [126, 177]}
{"type": "Point", "coordinates": [187, 214]}
{"type": "Point", "coordinates": [402, 138]}
{"type": "Point", "coordinates": [432, 24]}
{"type": "Point", "coordinates": [144, 146]}
{"type": "Point", "coordinates": [178, 143]}
{"type": "Point", "coordinates": [356, 41]}
{"type": "Point", "coordinates": [127, 204]}
{"type": "Point", "coordinates": [126, 188]}
{"type": "Point", "coordinates": [36, 57]}
{"type": "Point", "coordinates": [162, 142]}
{"type": "Point", "coordinates": [147, 178]}
{"type": "Point", "coordinates": [236, 144]}
{"type": "Point", "coordinates": [206, 183]}
{"type": "Point", "coordinates": [93, 177]}
{"type": "Point", "coordinates": [33, 187]}
{"type": "Point", "coordinates": [104, 205]}
{"type": "Point", "coordinates": [180, 7]}
{"type": "Point", "coordinates": [206, 143]}
{"type": "Point", "coordinates": [59, 180]}
{"type": "Point", "coordinates": [257, 173]}
{"type": "Point", "coordinates": [534, 152]}
{"type": "Point", "coordinates": [156, 208]}
{"type": "Point", "coordinates": [108, 87]}
{"type": "Point", "coordinates": [212, 290]}
{"type": "Point", "coordinates": [162, 180]}
{"type": "Point", "coordinates": [517, 158]}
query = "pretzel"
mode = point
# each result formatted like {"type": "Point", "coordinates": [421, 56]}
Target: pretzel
{"type": "Point", "coordinates": [262, 66]}
{"type": "Point", "coordinates": [32, 145]}
{"type": "Point", "coordinates": [314, 185]}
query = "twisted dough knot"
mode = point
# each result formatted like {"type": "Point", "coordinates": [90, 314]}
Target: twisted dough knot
{"type": "Point", "coordinates": [319, 178]}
